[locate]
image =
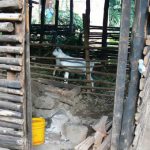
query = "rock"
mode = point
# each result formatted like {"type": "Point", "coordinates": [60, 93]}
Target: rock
{"type": "Point", "coordinates": [45, 102]}
{"type": "Point", "coordinates": [74, 133]}
{"type": "Point", "coordinates": [57, 121]}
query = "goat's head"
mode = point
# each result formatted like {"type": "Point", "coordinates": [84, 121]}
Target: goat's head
{"type": "Point", "coordinates": [57, 51]}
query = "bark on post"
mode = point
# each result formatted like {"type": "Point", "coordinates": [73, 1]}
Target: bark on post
{"type": "Point", "coordinates": [138, 40]}
{"type": "Point", "coordinates": [121, 74]}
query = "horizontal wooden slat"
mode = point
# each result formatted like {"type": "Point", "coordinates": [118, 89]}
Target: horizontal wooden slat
{"type": "Point", "coordinates": [10, 17]}
{"type": "Point", "coordinates": [11, 49]}
{"type": "Point", "coordinates": [11, 142]}
{"type": "Point", "coordinates": [11, 91]}
{"type": "Point", "coordinates": [13, 4]}
{"type": "Point", "coordinates": [10, 84]}
{"type": "Point", "coordinates": [11, 38]}
{"type": "Point", "coordinates": [10, 67]}
{"type": "Point", "coordinates": [12, 120]}
{"type": "Point", "coordinates": [10, 113]}
{"type": "Point", "coordinates": [10, 97]}
{"type": "Point", "coordinates": [11, 125]}
{"type": "Point", "coordinates": [10, 105]}
{"type": "Point", "coordinates": [11, 132]}
{"type": "Point", "coordinates": [6, 26]}
{"type": "Point", "coordinates": [10, 61]}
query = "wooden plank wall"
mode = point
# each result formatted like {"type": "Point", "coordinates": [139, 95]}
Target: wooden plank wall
{"type": "Point", "coordinates": [13, 100]}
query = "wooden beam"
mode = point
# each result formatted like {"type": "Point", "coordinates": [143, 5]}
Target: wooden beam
{"type": "Point", "coordinates": [121, 74]}
{"type": "Point", "coordinates": [71, 16]}
{"type": "Point", "coordinates": [138, 42]}
{"type": "Point", "coordinates": [105, 23]}
{"type": "Point", "coordinates": [13, 4]}
{"type": "Point", "coordinates": [10, 38]}
{"type": "Point", "coordinates": [6, 27]}
{"type": "Point", "coordinates": [11, 49]}
{"type": "Point", "coordinates": [10, 17]}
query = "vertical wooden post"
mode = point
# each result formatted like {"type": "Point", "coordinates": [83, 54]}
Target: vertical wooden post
{"type": "Point", "coordinates": [121, 74]}
{"type": "Point", "coordinates": [86, 21]}
{"type": "Point", "coordinates": [71, 16]}
{"type": "Point", "coordinates": [28, 80]}
{"type": "Point", "coordinates": [105, 23]}
{"type": "Point", "coordinates": [43, 2]}
{"type": "Point", "coordinates": [138, 40]}
{"type": "Point", "coordinates": [30, 12]}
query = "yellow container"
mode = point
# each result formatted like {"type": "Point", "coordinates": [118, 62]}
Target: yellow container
{"type": "Point", "coordinates": [38, 131]}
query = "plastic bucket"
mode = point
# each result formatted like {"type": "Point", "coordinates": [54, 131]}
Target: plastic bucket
{"type": "Point", "coordinates": [38, 131]}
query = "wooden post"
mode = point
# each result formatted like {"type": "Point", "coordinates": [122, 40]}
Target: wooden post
{"type": "Point", "coordinates": [71, 16]}
{"type": "Point", "coordinates": [28, 80]}
{"type": "Point", "coordinates": [138, 40]}
{"type": "Point", "coordinates": [86, 21]}
{"type": "Point", "coordinates": [43, 2]}
{"type": "Point", "coordinates": [105, 24]}
{"type": "Point", "coordinates": [121, 74]}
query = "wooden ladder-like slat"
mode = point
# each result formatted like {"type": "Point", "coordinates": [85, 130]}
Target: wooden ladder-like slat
{"type": "Point", "coordinates": [13, 88]}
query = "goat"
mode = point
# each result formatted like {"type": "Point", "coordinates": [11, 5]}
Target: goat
{"type": "Point", "coordinates": [71, 63]}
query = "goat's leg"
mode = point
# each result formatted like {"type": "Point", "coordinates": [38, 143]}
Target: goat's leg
{"type": "Point", "coordinates": [91, 80]}
{"type": "Point", "coordinates": [54, 71]}
{"type": "Point", "coordinates": [66, 76]}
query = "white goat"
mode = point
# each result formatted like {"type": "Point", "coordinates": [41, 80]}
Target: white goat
{"type": "Point", "coordinates": [71, 63]}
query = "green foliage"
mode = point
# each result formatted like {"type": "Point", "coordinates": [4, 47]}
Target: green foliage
{"type": "Point", "coordinates": [64, 19]}
{"type": "Point", "coordinates": [115, 13]}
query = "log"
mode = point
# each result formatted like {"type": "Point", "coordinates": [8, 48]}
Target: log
{"type": "Point", "coordinates": [10, 67]}
{"type": "Point", "coordinates": [100, 129]}
{"type": "Point", "coordinates": [11, 61]}
{"type": "Point", "coordinates": [11, 91]}
{"type": "Point", "coordinates": [6, 26]}
{"type": "Point", "coordinates": [86, 144]}
{"type": "Point", "coordinates": [10, 105]}
{"type": "Point", "coordinates": [11, 49]}
{"type": "Point", "coordinates": [10, 113]}
{"type": "Point", "coordinates": [12, 120]}
{"type": "Point", "coordinates": [121, 74]}
{"type": "Point", "coordinates": [10, 17]}
{"type": "Point", "coordinates": [13, 4]}
{"type": "Point", "coordinates": [10, 97]}
{"type": "Point", "coordinates": [11, 132]}
{"type": "Point", "coordinates": [11, 142]}
{"type": "Point", "coordinates": [11, 38]}
{"type": "Point", "coordinates": [10, 84]}
{"type": "Point", "coordinates": [138, 43]}
{"type": "Point", "coordinates": [146, 50]}
{"type": "Point", "coordinates": [146, 59]}
{"type": "Point", "coordinates": [106, 143]}
{"type": "Point", "coordinates": [11, 125]}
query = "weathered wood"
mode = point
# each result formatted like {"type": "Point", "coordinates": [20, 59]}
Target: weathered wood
{"type": "Point", "coordinates": [11, 132]}
{"type": "Point", "coordinates": [13, 4]}
{"type": "Point", "coordinates": [106, 143]}
{"type": "Point", "coordinates": [147, 58]}
{"type": "Point", "coordinates": [10, 84]}
{"type": "Point", "coordinates": [142, 83]}
{"type": "Point", "coordinates": [11, 38]}
{"type": "Point", "coordinates": [11, 91]}
{"type": "Point", "coordinates": [11, 125]}
{"type": "Point", "coordinates": [100, 129]}
{"type": "Point", "coordinates": [10, 67]}
{"type": "Point", "coordinates": [10, 17]}
{"type": "Point", "coordinates": [86, 144]}
{"type": "Point", "coordinates": [12, 120]}
{"type": "Point", "coordinates": [11, 49]}
{"type": "Point", "coordinates": [146, 50]}
{"type": "Point", "coordinates": [11, 61]}
{"type": "Point", "coordinates": [10, 113]}
{"type": "Point", "coordinates": [11, 142]}
{"type": "Point", "coordinates": [138, 42]}
{"type": "Point", "coordinates": [6, 26]}
{"type": "Point", "coordinates": [121, 74]}
{"type": "Point", "coordinates": [10, 97]}
{"type": "Point", "coordinates": [10, 105]}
